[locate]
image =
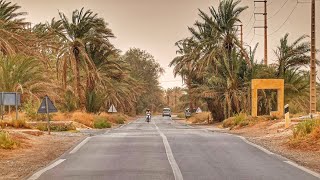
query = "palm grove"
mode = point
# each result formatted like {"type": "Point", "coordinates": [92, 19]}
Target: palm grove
{"type": "Point", "coordinates": [218, 70]}
{"type": "Point", "coordinates": [72, 60]}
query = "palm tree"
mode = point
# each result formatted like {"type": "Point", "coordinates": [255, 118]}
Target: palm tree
{"type": "Point", "coordinates": [291, 56]}
{"type": "Point", "coordinates": [184, 64]}
{"type": "Point", "coordinates": [84, 29]}
{"type": "Point", "coordinates": [12, 33]}
{"type": "Point", "coordinates": [26, 75]}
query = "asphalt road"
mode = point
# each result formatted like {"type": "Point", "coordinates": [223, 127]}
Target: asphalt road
{"type": "Point", "coordinates": [167, 150]}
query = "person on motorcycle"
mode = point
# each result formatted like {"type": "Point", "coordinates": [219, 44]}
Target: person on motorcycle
{"type": "Point", "coordinates": [148, 113]}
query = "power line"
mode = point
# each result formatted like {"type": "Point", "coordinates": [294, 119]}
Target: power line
{"type": "Point", "coordinates": [278, 9]}
{"type": "Point", "coordinates": [285, 20]}
{"type": "Point", "coordinates": [284, 23]}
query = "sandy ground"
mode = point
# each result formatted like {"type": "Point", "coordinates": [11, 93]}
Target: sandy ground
{"type": "Point", "coordinates": [272, 136]}
{"type": "Point", "coordinates": [34, 152]}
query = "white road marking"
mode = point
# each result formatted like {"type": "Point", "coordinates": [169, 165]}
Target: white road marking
{"type": "Point", "coordinates": [39, 173]}
{"type": "Point", "coordinates": [303, 169]}
{"type": "Point", "coordinates": [175, 168]}
{"type": "Point", "coordinates": [80, 145]}
{"type": "Point", "coordinates": [255, 145]}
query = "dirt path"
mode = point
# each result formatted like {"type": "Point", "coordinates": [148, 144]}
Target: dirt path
{"type": "Point", "coordinates": [34, 152]}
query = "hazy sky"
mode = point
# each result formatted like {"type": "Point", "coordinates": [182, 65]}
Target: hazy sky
{"type": "Point", "coordinates": [155, 25]}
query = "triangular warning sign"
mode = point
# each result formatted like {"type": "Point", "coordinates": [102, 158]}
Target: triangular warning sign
{"type": "Point", "coordinates": [112, 109]}
{"type": "Point", "coordinates": [198, 110]}
{"type": "Point", "coordinates": [43, 107]}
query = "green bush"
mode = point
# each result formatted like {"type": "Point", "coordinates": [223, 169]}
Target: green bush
{"type": "Point", "coordinates": [101, 122]}
{"type": "Point", "coordinates": [238, 120]}
{"type": "Point", "coordinates": [306, 127]}
{"type": "Point", "coordinates": [30, 108]}
{"type": "Point", "coordinates": [6, 142]}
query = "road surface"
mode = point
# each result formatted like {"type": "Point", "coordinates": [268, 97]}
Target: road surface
{"type": "Point", "coordinates": [167, 150]}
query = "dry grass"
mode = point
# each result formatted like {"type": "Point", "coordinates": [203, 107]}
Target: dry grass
{"type": "Point", "coordinates": [200, 118]}
{"type": "Point", "coordinates": [88, 119]}
{"type": "Point", "coordinates": [306, 136]}
{"type": "Point", "coordinates": [6, 141]}
{"type": "Point", "coordinates": [61, 116]}
{"type": "Point", "coordinates": [243, 120]}
{"type": "Point", "coordinates": [20, 123]}
{"type": "Point", "coordinates": [83, 118]}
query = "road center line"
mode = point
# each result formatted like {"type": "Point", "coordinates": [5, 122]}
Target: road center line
{"type": "Point", "coordinates": [39, 173]}
{"type": "Point", "coordinates": [175, 168]}
{"type": "Point", "coordinates": [80, 145]}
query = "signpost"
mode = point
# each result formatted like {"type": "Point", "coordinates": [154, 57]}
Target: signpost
{"type": "Point", "coordinates": [47, 107]}
{"type": "Point", "coordinates": [286, 115]}
{"type": "Point", "coordinates": [9, 99]}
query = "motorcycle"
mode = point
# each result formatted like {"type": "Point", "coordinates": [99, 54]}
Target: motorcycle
{"type": "Point", "coordinates": [148, 118]}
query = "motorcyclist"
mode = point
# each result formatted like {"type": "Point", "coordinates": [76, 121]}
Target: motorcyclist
{"type": "Point", "coordinates": [148, 113]}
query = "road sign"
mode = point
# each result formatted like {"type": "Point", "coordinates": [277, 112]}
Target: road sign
{"type": "Point", "coordinates": [47, 107]}
{"type": "Point", "coordinates": [198, 110]}
{"type": "Point", "coordinates": [9, 99]}
{"type": "Point", "coordinates": [43, 107]}
{"type": "Point", "coordinates": [112, 109]}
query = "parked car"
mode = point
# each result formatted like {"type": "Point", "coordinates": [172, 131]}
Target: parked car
{"type": "Point", "coordinates": [166, 112]}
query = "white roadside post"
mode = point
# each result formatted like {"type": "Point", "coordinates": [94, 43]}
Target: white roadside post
{"type": "Point", "coordinates": [287, 117]}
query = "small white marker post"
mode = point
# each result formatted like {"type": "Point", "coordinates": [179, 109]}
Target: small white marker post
{"type": "Point", "coordinates": [287, 117]}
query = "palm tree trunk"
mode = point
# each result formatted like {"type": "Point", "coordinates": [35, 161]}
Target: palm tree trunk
{"type": "Point", "coordinates": [78, 80]}
{"type": "Point", "coordinates": [190, 93]}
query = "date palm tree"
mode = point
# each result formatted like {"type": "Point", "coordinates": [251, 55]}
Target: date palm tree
{"type": "Point", "coordinates": [85, 28]}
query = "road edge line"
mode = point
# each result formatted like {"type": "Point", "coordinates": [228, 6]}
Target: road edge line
{"type": "Point", "coordinates": [75, 149]}
{"type": "Point", "coordinates": [174, 166]}
{"type": "Point", "coordinates": [315, 174]}
{"type": "Point", "coordinates": [256, 146]}
{"type": "Point", "coordinates": [39, 173]}
{"type": "Point", "coordinates": [288, 161]}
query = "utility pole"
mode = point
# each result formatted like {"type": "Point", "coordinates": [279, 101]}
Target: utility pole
{"type": "Point", "coordinates": [313, 98]}
{"type": "Point", "coordinates": [265, 30]}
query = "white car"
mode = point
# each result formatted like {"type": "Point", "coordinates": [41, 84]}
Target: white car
{"type": "Point", "coordinates": [166, 112]}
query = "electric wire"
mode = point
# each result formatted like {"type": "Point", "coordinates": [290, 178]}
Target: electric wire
{"type": "Point", "coordinates": [278, 10]}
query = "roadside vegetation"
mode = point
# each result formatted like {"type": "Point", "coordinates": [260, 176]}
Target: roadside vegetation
{"type": "Point", "coordinates": [71, 59]}
{"type": "Point", "coordinates": [6, 141]}
{"type": "Point", "coordinates": [306, 135]}
{"type": "Point", "coordinates": [217, 69]}
{"type": "Point", "coordinates": [200, 118]}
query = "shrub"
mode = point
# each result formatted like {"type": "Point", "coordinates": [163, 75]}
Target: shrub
{"type": "Point", "coordinates": [6, 142]}
{"type": "Point", "coordinates": [83, 118]}
{"type": "Point", "coordinates": [101, 122]}
{"type": "Point", "coordinates": [56, 127]}
{"type": "Point", "coordinates": [238, 120]}
{"type": "Point", "coordinates": [306, 135]}
{"type": "Point", "coordinates": [306, 127]}
{"type": "Point", "coordinates": [20, 123]}
{"type": "Point", "coordinates": [200, 118]}
{"type": "Point", "coordinates": [181, 115]}
{"type": "Point", "coordinates": [120, 119]}
{"type": "Point", "coordinates": [31, 110]}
